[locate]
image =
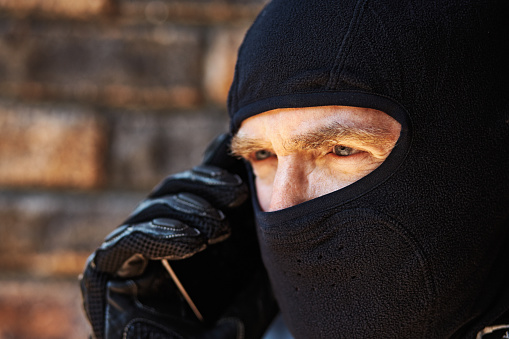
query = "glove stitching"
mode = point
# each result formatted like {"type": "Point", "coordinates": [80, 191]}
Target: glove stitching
{"type": "Point", "coordinates": [205, 180]}
{"type": "Point", "coordinates": [182, 233]}
{"type": "Point", "coordinates": [196, 209]}
{"type": "Point", "coordinates": [172, 228]}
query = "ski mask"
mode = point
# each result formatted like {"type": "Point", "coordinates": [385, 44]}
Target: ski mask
{"type": "Point", "coordinates": [417, 248]}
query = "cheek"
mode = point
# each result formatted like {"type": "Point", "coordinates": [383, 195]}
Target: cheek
{"type": "Point", "coordinates": [333, 175]}
{"type": "Point", "coordinates": [320, 177]}
{"type": "Point", "coordinates": [325, 181]}
{"type": "Point", "coordinates": [265, 173]}
{"type": "Point", "coordinates": [263, 193]}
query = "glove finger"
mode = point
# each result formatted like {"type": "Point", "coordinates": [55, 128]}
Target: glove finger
{"type": "Point", "coordinates": [188, 208]}
{"type": "Point", "coordinates": [93, 285]}
{"type": "Point", "coordinates": [221, 188]}
{"type": "Point", "coordinates": [126, 251]}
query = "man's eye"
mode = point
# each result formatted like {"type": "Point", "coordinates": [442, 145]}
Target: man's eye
{"type": "Point", "coordinates": [262, 155]}
{"type": "Point", "coordinates": [344, 151]}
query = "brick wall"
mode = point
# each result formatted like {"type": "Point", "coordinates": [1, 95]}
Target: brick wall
{"type": "Point", "coordinates": [99, 100]}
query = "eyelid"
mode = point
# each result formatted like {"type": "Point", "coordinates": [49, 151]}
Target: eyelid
{"type": "Point", "coordinates": [329, 147]}
{"type": "Point", "coordinates": [350, 151]}
{"type": "Point", "coordinates": [371, 151]}
{"type": "Point", "coordinates": [269, 155]}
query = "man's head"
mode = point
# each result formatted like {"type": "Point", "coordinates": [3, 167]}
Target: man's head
{"type": "Point", "coordinates": [358, 239]}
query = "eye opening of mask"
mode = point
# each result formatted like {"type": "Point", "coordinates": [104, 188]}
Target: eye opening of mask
{"type": "Point", "coordinates": [371, 180]}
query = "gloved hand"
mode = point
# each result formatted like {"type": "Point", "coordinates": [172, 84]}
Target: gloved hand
{"type": "Point", "coordinates": [128, 293]}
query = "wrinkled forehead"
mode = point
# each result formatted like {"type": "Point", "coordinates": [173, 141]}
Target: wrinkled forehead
{"type": "Point", "coordinates": [349, 108]}
{"type": "Point", "coordinates": [296, 121]}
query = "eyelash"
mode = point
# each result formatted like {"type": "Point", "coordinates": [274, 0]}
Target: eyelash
{"type": "Point", "coordinates": [264, 154]}
{"type": "Point", "coordinates": [342, 148]}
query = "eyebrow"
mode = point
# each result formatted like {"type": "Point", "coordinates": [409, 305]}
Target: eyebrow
{"type": "Point", "coordinates": [323, 137]}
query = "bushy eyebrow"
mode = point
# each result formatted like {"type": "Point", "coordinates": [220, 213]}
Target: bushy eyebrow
{"type": "Point", "coordinates": [242, 146]}
{"type": "Point", "coordinates": [323, 137]}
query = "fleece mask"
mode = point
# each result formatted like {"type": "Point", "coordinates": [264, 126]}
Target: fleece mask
{"type": "Point", "coordinates": [419, 247]}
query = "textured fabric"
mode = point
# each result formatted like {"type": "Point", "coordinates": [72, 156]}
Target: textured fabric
{"type": "Point", "coordinates": [417, 248]}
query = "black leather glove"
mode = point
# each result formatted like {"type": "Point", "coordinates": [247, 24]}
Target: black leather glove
{"type": "Point", "coordinates": [127, 291]}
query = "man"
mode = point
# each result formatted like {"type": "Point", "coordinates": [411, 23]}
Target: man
{"type": "Point", "coordinates": [377, 141]}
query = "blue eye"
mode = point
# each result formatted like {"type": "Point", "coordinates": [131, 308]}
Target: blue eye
{"type": "Point", "coordinates": [344, 151]}
{"type": "Point", "coordinates": [262, 154]}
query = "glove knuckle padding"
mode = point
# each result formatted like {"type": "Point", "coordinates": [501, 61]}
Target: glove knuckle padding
{"type": "Point", "coordinates": [157, 239]}
{"type": "Point", "coordinates": [188, 208]}
{"type": "Point", "coordinates": [223, 189]}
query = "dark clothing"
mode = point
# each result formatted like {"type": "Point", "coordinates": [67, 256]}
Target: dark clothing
{"type": "Point", "coordinates": [417, 248]}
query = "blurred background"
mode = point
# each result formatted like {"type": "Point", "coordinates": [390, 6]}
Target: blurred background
{"type": "Point", "coordinates": [99, 101]}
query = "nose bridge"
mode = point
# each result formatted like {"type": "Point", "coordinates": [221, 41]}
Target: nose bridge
{"type": "Point", "coordinates": [290, 183]}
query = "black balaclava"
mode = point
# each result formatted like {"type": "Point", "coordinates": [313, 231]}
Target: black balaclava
{"type": "Point", "coordinates": [419, 247]}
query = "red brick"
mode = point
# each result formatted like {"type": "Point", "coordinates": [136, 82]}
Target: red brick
{"type": "Point", "coordinates": [50, 234]}
{"type": "Point", "coordinates": [147, 147]}
{"type": "Point", "coordinates": [41, 310]}
{"type": "Point", "coordinates": [52, 264]}
{"type": "Point", "coordinates": [220, 62]}
{"type": "Point", "coordinates": [50, 147]}
{"type": "Point", "coordinates": [74, 8]}
{"type": "Point", "coordinates": [195, 11]}
{"type": "Point", "coordinates": [118, 65]}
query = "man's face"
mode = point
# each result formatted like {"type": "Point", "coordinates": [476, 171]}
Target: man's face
{"type": "Point", "coordinates": [300, 154]}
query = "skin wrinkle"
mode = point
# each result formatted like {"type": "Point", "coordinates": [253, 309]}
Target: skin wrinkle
{"type": "Point", "coordinates": [323, 138]}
